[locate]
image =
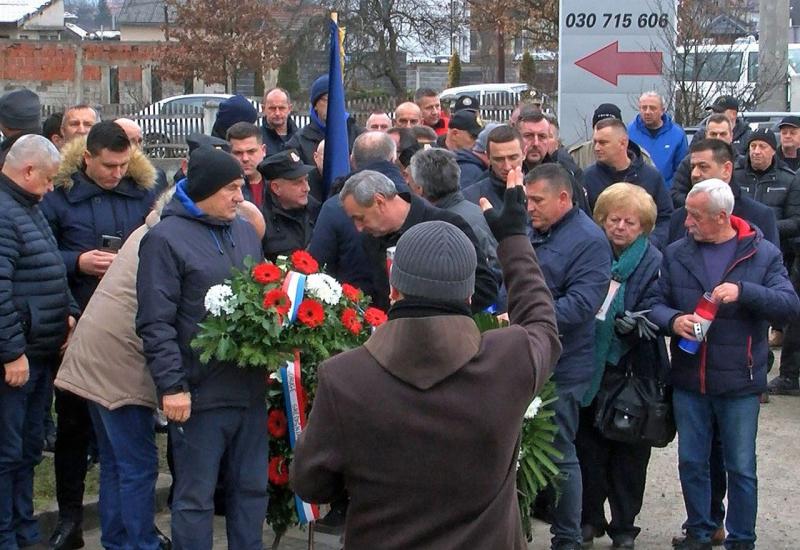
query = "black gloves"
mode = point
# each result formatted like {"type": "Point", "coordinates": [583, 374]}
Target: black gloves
{"type": "Point", "coordinates": [513, 218]}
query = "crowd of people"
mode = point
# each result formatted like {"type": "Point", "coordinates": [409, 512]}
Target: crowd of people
{"type": "Point", "coordinates": [602, 256]}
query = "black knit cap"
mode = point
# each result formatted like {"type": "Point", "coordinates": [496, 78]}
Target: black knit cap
{"type": "Point", "coordinates": [20, 110]}
{"type": "Point", "coordinates": [209, 171]}
{"type": "Point", "coordinates": [434, 260]}
{"type": "Point", "coordinates": [764, 134]}
{"type": "Point", "coordinates": [605, 110]}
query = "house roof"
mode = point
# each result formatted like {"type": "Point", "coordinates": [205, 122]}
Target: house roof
{"type": "Point", "coordinates": [12, 11]}
{"type": "Point", "coordinates": [142, 12]}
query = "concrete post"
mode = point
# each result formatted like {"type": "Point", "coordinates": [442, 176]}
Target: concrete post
{"type": "Point", "coordinates": [105, 84]}
{"type": "Point", "coordinates": [773, 53]}
{"type": "Point", "coordinates": [78, 84]}
{"type": "Point", "coordinates": [794, 94]}
{"type": "Point", "coordinates": [147, 84]}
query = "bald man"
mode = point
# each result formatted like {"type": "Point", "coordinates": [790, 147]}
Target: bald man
{"type": "Point", "coordinates": [134, 133]}
{"type": "Point", "coordinates": [407, 115]}
{"type": "Point", "coordinates": [378, 122]}
{"type": "Point", "coordinates": [253, 216]}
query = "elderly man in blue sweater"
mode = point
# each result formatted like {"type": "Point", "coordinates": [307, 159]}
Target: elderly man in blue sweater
{"type": "Point", "coordinates": [655, 131]}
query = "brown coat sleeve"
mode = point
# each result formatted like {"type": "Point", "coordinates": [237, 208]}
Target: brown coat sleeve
{"type": "Point", "coordinates": [530, 304]}
{"type": "Point", "coordinates": [316, 471]}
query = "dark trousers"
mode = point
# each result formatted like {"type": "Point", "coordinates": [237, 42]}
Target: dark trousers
{"type": "Point", "coordinates": [790, 353]}
{"type": "Point", "coordinates": [73, 433]}
{"type": "Point", "coordinates": [21, 442]}
{"type": "Point", "coordinates": [198, 446]}
{"type": "Point", "coordinates": [612, 471]}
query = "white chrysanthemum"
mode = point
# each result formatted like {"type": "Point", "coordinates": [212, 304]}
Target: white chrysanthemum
{"type": "Point", "coordinates": [519, 457]}
{"type": "Point", "coordinates": [276, 376]}
{"type": "Point", "coordinates": [219, 300]}
{"type": "Point", "coordinates": [324, 288]}
{"type": "Point", "coordinates": [533, 408]}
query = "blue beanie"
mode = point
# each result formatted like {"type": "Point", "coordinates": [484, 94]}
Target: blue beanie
{"type": "Point", "coordinates": [319, 88]}
{"type": "Point", "coordinates": [232, 110]}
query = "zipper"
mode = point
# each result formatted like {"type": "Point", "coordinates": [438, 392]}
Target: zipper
{"type": "Point", "coordinates": [703, 349]}
{"type": "Point", "coordinates": [750, 356]}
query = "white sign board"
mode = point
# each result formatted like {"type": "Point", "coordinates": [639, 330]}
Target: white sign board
{"type": "Point", "coordinates": [611, 52]}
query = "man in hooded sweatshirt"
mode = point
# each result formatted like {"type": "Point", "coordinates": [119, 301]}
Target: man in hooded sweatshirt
{"type": "Point", "coordinates": [305, 141]}
{"type": "Point", "coordinates": [217, 408]}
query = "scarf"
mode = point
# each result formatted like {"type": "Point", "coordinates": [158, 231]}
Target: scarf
{"type": "Point", "coordinates": [415, 307]}
{"type": "Point", "coordinates": [608, 348]}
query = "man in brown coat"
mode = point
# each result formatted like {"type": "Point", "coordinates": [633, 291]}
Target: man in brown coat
{"type": "Point", "coordinates": [421, 424]}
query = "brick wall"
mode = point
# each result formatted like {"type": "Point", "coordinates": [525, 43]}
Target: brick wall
{"type": "Point", "coordinates": [64, 73]}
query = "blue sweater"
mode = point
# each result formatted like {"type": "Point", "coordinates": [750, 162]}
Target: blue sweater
{"type": "Point", "coordinates": [667, 147]}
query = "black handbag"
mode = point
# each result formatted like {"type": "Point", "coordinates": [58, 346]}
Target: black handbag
{"type": "Point", "coordinates": [634, 409]}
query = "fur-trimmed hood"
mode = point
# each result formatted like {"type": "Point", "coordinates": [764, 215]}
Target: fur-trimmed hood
{"type": "Point", "coordinates": [140, 169]}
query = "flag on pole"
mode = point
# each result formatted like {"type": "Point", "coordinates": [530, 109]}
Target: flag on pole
{"type": "Point", "coordinates": [337, 150]}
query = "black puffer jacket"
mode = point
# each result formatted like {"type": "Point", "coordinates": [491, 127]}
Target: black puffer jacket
{"type": "Point", "coordinates": [287, 230]}
{"type": "Point", "coordinates": [308, 137]}
{"type": "Point", "coordinates": [776, 187]}
{"type": "Point", "coordinates": [34, 295]}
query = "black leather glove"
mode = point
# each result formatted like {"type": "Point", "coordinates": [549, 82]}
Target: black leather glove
{"type": "Point", "coordinates": [513, 218]}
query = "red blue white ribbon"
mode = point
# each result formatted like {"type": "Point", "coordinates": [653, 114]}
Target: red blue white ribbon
{"type": "Point", "coordinates": [295, 399]}
{"type": "Point", "coordinates": [294, 286]}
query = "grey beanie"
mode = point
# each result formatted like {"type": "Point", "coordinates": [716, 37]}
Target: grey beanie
{"type": "Point", "coordinates": [434, 260]}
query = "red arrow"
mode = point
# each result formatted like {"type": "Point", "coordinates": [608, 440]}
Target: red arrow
{"type": "Point", "coordinates": [609, 63]}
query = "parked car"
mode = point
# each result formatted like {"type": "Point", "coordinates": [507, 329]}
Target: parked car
{"type": "Point", "coordinates": [171, 120]}
{"type": "Point", "coordinates": [482, 92]}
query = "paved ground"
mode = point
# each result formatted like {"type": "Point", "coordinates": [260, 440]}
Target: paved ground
{"type": "Point", "coordinates": [663, 512]}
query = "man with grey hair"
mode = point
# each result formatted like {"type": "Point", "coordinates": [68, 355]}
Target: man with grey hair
{"type": "Point", "coordinates": [436, 174]}
{"type": "Point", "coordinates": [719, 369]}
{"type": "Point", "coordinates": [372, 147]}
{"type": "Point", "coordinates": [37, 315]}
{"type": "Point", "coordinates": [378, 122]}
{"type": "Point", "coordinates": [372, 201]}
{"type": "Point", "coordinates": [77, 122]}
{"type": "Point", "coordinates": [653, 129]}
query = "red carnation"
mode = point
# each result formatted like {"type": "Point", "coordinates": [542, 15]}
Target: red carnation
{"type": "Point", "coordinates": [278, 471]}
{"type": "Point", "coordinates": [266, 273]}
{"type": "Point", "coordinates": [304, 262]}
{"type": "Point", "coordinates": [350, 320]}
{"type": "Point", "coordinates": [278, 300]}
{"type": "Point", "coordinates": [351, 292]}
{"type": "Point", "coordinates": [311, 313]}
{"type": "Point", "coordinates": [375, 317]}
{"type": "Point", "coordinates": [276, 423]}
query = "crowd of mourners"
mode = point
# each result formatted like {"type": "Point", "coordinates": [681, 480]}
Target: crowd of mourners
{"type": "Point", "coordinates": [635, 255]}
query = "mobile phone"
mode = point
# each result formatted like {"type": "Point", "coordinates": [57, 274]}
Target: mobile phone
{"type": "Point", "coordinates": [110, 243]}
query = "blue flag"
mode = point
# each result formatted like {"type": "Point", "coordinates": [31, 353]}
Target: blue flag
{"type": "Point", "coordinates": [337, 150]}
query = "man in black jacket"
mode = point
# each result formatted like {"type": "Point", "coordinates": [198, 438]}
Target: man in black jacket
{"type": "Point", "coordinates": [218, 408]}
{"type": "Point", "coordinates": [278, 127]}
{"type": "Point", "coordinates": [765, 178]}
{"type": "Point", "coordinates": [35, 316]}
{"type": "Point", "coordinates": [19, 115]}
{"type": "Point", "coordinates": [289, 210]}
{"type": "Point", "coordinates": [375, 206]}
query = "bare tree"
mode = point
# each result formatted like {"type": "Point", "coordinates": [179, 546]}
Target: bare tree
{"type": "Point", "coordinates": [215, 39]}
{"type": "Point", "coordinates": [706, 65]}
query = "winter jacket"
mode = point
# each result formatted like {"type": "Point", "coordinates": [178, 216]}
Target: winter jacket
{"type": "Point", "coordinates": [681, 182]}
{"type": "Point", "coordinates": [422, 211]}
{"type": "Point", "coordinates": [276, 143]}
{"type": "Point", "coordinates": [599, 176]}
{"type": "Point", "coordinates": [180, 258]}
{"type": "Point", "coordinates": [562, 156]}
{"type": "Point", "coordinates": [472, 167]}
{"type": "Point", "coordinates": [733, 359]}
{"type": "Point", "coordinates": [753, 212]}
{"type": "Point", "coordinates": [306, 140]}
{"type": "Point", "coordinates": [287, 230]}
{"type": "Point", "coordinates": [473, 215]}
{"type": "Point", "coordinates": [576, 260]}
{"type": "Point", "coordinates": [104, 362]}
{"type": "Point", "coordinates": [80, 212]}
{"type": "Point", "coordinates": [793, 163]}
{"type": "Point", "coordinates": [741, 133]}
{"type": "Point", "coordinates": [778, 188]}
{"type": "Point", "coordinates": [34, 294]}
{"type": "Point", "coordinates": [427, 396]}
{"type": "Point", "coordinates": [337, 246]}
{"type": "Point", "coordinates": [668, 146]}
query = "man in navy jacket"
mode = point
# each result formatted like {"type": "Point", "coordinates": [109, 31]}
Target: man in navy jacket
{"type": "Point", "coordinates": [616, 162]}
{"type": "Point", "coordinates": [576, 260]}
{"type": "Point", "coordinates": [104, 190]}
{"type": "Point", "coordinates": [726, 258]}
{"type": "Point", "coordinates": [218, 408]}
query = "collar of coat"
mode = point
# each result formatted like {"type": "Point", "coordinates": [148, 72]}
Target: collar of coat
{"type": "Point", "coordinates": [424, 351]}
{"type": "Point", "coordinates": [140, 169]}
